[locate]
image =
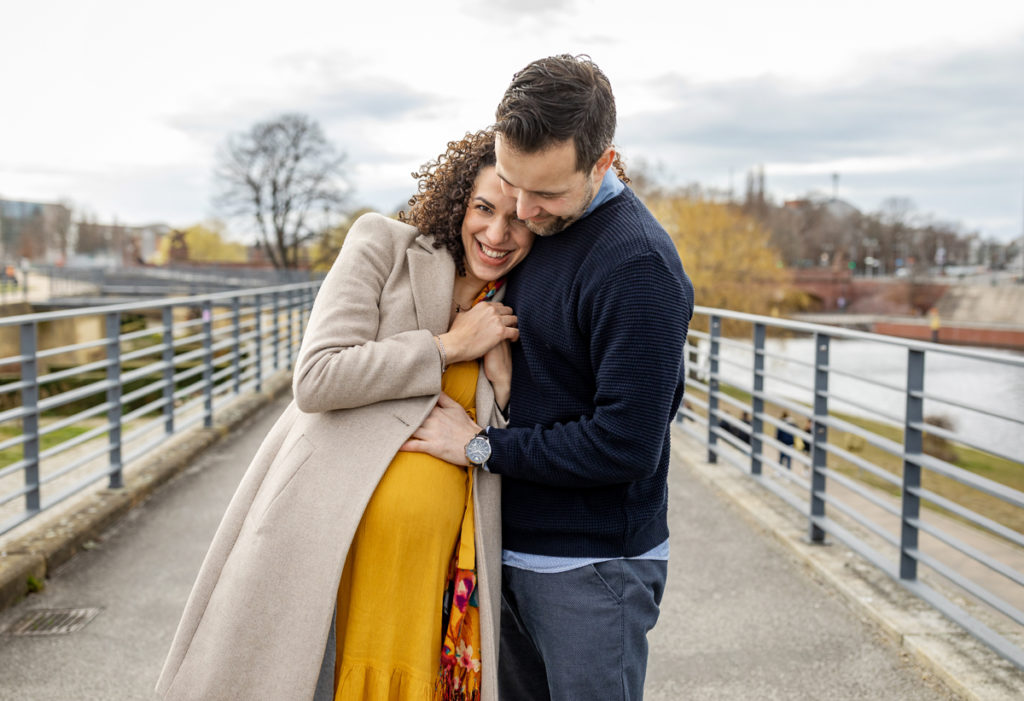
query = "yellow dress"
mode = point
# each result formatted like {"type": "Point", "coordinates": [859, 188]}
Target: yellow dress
{"type": "Point", "coordinates": [389, 600]}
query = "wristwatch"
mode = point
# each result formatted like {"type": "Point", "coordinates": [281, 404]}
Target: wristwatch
{"type": "Point", "coordinates": [478, 450]}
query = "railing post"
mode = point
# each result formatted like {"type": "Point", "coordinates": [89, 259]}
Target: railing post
{"type": "Point", "coordinates": [716, 334]}
{"type": "Point", "coordinates": [757, 403]}
{"type": "Point", "coordinates": [30, 419]}
{"type": "Point", "coordinates": [819, 435]}
{"type": "Point", "coordinates": [208, 364]}
{"type": "Point", "coordinates": [236, 363]}
{"type": "Point", "coordinates": [912, 447]}
{"type": "Point", "coordinates": [291, 327]}
{"type": "Point", "coordinates": [114, 412]}
{"type": "Point", "coordinates": [276, 328]}
{"type": "Point", "coordinates": [258, 314]}
{"type": "Point", "coordinates": [168, 358]}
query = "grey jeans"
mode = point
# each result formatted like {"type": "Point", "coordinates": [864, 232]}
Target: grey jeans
{"type": "Point", "coordinates": [580, 634]}
{"type": "Point", "coordinates": [325, 682]}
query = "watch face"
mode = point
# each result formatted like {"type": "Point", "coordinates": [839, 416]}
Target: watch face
{"type": "Point", "coordinates": [478, 450]}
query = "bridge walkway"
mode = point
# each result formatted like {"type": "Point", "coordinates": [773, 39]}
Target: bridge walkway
{"type": "Point", "coordinates": [744, 617]}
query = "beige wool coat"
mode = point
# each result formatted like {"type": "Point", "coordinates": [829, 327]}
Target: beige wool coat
{"type": "Point", "coordinates": [367, 374]}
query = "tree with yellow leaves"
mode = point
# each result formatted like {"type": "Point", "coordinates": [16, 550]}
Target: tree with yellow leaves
{"type": "Point", "coordinates": [206, 244]}
{"type": "Point", "coordinates": [727, 254]}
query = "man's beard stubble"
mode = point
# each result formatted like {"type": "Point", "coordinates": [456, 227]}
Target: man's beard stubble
{"type": "Point", "coordinates": [552, 226]}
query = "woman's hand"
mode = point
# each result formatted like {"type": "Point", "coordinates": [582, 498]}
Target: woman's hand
{"type": "Point", "coordinates": [498, 369]}
{"type": "Point", "coordinates": [478, 330]}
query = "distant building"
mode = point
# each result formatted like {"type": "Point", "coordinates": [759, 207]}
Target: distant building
{"type": "Point", "coordinates": [37, 231]}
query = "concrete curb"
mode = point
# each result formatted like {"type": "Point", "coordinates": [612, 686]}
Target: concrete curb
{"type": "Point", "coordinates": [940, 647]}
{"type": "Point", "coordinates": [27, 560]}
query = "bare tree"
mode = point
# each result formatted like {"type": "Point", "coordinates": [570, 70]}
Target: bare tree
{"type": "Point", "coordinates": [281, 174]}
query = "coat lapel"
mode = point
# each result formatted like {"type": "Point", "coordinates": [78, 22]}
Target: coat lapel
{"type": "Point", "coordinates": [430, 269]}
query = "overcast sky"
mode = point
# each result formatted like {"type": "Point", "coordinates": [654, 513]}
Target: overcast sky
{"type": "Point", "coordinates": [121, 105]}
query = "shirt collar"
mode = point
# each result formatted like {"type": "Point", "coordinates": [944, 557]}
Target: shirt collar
{"type": "Point", "coordinates": [610, 187]}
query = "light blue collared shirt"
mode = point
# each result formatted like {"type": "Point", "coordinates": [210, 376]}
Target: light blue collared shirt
{"type": "Point", "coordinates": [550, 564]}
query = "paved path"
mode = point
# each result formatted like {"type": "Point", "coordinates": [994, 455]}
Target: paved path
{"type": "Point", "coordinates": [742, 618]}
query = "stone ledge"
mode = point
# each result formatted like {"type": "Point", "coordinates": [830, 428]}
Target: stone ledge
{"type": "Point", "coordinates": [15, 569]}
{"type": "Point", "coordinates": [56, 540]}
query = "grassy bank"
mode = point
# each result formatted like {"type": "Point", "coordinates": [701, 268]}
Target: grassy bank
{"type": "Point", "coordinates": [1006, 472]}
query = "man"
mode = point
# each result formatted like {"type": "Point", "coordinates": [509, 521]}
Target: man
{"type": "Point", "coordinates": [604, 307]}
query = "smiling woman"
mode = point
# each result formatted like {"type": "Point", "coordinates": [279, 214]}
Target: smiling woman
{"type": "Point", "coordinates": [408, 317]}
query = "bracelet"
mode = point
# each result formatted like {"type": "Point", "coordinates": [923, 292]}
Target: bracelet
{"type": "Point", "coordinates": [444, 355]}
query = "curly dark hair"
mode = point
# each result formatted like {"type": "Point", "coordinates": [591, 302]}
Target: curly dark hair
{"type": "Point", "coordinates": [443, 192]}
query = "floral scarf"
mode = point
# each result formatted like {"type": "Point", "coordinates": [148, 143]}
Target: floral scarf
{"type": "Point", "coordinates": [459, 675]}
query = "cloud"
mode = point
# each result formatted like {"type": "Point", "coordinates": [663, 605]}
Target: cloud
{"type": "Point", "coordinates": [522, 10]}
{"type": "Point", "coordinates": [947, 130]}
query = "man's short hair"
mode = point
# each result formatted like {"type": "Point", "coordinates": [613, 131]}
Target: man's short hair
{"type": "Point", "coordinates": [555, 99]}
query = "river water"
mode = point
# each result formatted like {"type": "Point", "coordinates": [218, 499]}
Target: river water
{"type": "Point", "coordinates": [994, 386]}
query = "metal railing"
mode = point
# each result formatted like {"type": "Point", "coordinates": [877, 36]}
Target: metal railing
{"type": "Point", "coordinates": [873, 458]}
{"type": "Point", "coordinates": [89, 391]}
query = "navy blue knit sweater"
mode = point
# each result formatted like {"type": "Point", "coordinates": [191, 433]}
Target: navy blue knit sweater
{"type": "Point", "coordinates": [597, 376]}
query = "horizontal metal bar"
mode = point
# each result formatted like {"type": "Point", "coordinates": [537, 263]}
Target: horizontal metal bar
{"type": "Point", "coordinates": [968, 585]}
{"type": "Point", "coordinates": [145, 449]}
{"type": "Point", "coordinates": [56, 400]}
{"type": "Point", "coordinates": [975, 518]}
{"type": "Point", "coordinates": [982, 484]}
{"type": "Point", "coordinates": [14, 387]}
{"type": "Point", "coordinates": [71, 372]}
{"type": "Point", "coordinates": [862, 491]}
{"type": "Point", "coordinates": [221, 374]}
{"type": "Point", "coordinates": [964, 440]}
{"type": "Point", "coordinates": [15, 413]}
{"type": "Point", "coordinates": [61, 350]}
{"type": "Point", "coordinates": [74, 441]}
{"type": "Point", "coordinates": [736, 403]}
{"type": "Point", "coordinates": [969, 550]}
{"type": "Point", "coordinates": [13, 442]}
{"type": "Point", "coordinates": [833, 370]}
{"type": "Point", "coordinates": [976, 408]}
{"type": "Point", "coordinates": [153, 386]}
{"type": "Point", "coordinates": [141, 353]}
{"type": "Point", "coordinates": [137, 431]}
{"type": "Point", "coordinates": [188, 423]}
{"type": "Point", "coordinates": [800, 410]}
{"type": "Point", "coordinates": [191, 372]}
{"type": "Point", "coordinates": [969, 623]}
{"type": "Point", "coordinates": [188, 356]}
{"type": "Point", "coordinates": [180, 341]}
{"type": "Point", "coordinates": [862, 464]}
{"type": "Point", "coordinates": [872, 411]}
{"type": "Point", "coordinates": [860, 518]}
{"type": "Point", "coordinates": [72, 466]}
{"type": "Point", "coordinates": [60, 496]}
{"type": "Point", "coordinates": [155, 331]}
{"type": "Point", "coordinates": [191, 301]}
{"type": "Point", "coordinates": [19, 492]}
{"type": "Point", "coordinates": [788, 359]}
{"type": "Point", "coordinates": [14, 360]}
{"type": "Point", "coordinates": [891, 447]}
{"type": "Point", "coordinates": [73, 419]}
{"type": "Point", "coordinates": [837, 332]}
{"type": "Point", "coordinates": [698, 385]}
{"type": "Point", "coordinates": [145, 409]}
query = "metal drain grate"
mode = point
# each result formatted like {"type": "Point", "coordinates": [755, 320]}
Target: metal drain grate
{"type": "Point", "coordinates": [52, 621]}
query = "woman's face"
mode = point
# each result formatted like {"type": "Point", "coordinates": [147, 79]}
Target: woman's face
{"type": "Point", "coordinates": [494, 238]}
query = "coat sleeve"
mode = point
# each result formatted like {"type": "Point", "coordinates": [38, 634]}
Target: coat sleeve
{"type": "Point", "coordinates": [341, 363]}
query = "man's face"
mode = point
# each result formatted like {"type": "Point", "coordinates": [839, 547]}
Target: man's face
{"type": "Point", "coordinates": [550, 193]}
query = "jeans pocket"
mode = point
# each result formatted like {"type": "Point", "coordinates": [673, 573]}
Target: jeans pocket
{"type": "Point", "coordinates": [609, 574]}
